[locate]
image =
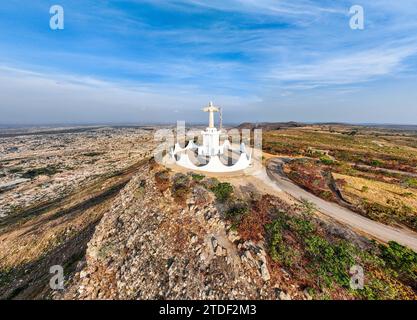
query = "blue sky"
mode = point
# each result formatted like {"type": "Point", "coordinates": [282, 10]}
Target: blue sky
{"type": "Point", "coordinates": [162, 60]}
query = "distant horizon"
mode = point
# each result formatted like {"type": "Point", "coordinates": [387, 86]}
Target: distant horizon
{"type": "Point", "coordinates": [139, 124]}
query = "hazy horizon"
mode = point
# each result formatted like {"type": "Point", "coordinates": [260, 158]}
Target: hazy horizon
{"type": "Point", "coordinates": [202, 123]}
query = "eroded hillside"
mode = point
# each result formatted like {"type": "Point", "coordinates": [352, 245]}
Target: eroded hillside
{"type": "Point", "coordinates": [185, 236]}
{"type": "Point", "coordinates": [151, 245]}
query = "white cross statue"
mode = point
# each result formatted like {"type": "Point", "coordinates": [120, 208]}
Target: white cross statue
{"type": "Point", "coordinates": [211, 109]}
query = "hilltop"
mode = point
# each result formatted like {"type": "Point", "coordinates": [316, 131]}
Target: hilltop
{"type": "Point", "coordinates": [172, 235]}
{"type": "Point", "coordinates": [270, 125]}
{"type": "Point", "coordinates": [165, 237]}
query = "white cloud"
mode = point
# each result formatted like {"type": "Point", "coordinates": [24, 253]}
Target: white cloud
{"type": "Point", "coordinates": [34, 97]}
{"type": "Point", "coordinates": [348, 69]}
{"type": "Point", "coordinates": [265, 7]}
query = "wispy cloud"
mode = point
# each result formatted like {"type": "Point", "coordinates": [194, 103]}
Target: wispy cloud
{"type": "Point", "coordinates": [348, 69]}
{"type": "Point", "coordinates": [254, 7]}
{"type": "Point", "coordinates": [72, 98]}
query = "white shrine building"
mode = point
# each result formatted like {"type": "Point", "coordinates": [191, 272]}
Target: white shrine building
{"type": "Point", "coordinates": [210, 156]}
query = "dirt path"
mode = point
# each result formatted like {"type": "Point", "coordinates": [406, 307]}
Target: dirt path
{"type": "Point", "coordinates": [362, 224]}
{"type": "Point", "coordinates": [377, 169]}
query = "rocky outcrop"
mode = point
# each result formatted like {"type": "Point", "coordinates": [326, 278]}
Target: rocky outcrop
{"type": "Point", "coordinates": [149, 247]}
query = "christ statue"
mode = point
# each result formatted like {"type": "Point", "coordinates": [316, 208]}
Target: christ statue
{"type": "Point", "coordinates": [211, 109]}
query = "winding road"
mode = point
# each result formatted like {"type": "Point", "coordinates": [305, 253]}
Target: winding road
{"type": "Point", "coordinates": [360, 223]}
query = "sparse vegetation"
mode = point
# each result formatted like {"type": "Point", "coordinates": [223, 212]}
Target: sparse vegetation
{"type": "Point", "coordinates": [197, 177]}
{"type": "Point", "coordinates": [362, 171]}
{"type": "Point", "coordinates": [326, 160]}
{"type": "Point", "coordinates": [141, 188]}
{"type": "Point", "coordinates": [223, 191]}
{"type": "Point", "coordinates": [93, 154]}
{"type": "Point", "coordinates": [237, 211]}
{"type": "Point", "coordinates": [360, 148]}
{"type": "Point", "coordinates": [15, 170]}
{"type": "Point", "coordinates": [210, 183]}
{"type": "Point", "coordinates": [320, 260]}
{"type": "Point", "coordinates": [162, 180]}
{"type": "Point", "coordinates": [385, 202]}
{"type": "Point", "coordinates": [105, 251]}
{"type": "Point", "coordinates": [53, 219]}
{"type": "Point", "coordinates": [402, 260]}
{"type": "Point", "coordinates": [356, 167]}
{"type": "Point", "coordinates": [307, 174]}
{"type": "Point", "coordinates": [411, 182]}
{"type": "Point", "coordinates": [180, 188]}
{"type": "Point", "coordinates": [47, 171]}
{"type": "Point", "coordinates": [201, 195]}
{"type": "Point", "coordinates": [315, 253]}
{"type": "Point", "coordinates": [308, 207]}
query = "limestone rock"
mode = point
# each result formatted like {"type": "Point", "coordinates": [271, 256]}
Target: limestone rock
{"type": "Point", "coordinates": [151, 247]}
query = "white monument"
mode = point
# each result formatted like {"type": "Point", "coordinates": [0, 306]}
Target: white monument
{"type": "Point", "coordinates": [211, 137]}
{"type": "Point", "coordinates": [211, 150]}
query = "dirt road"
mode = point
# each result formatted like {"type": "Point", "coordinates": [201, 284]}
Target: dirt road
{"type": "Point", "coordinates": [362, 224]}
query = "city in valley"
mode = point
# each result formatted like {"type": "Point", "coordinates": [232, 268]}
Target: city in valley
{"type": "Point", "coordinates": [329, 213]}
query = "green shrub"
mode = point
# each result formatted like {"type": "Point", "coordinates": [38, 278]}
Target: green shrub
{"type": "Point", "coordinates": [411, 182]}
{"type": "Point", "coordinates": [401, 259]}
{"type": "Point", "coordinates": [301, 226]}
{"type": "Point", "coordinates": [407, 195]}
{"type": "Point", "coordinates": [308, 207]}
{"type": "Point", "coordinates": [223, 191]}
{"type": "Point", "coordinates": [376, 163]}
{"type": "Point", "coordinates": [353, 133]}
{"type": "Point", "coordinates": [197, 177]}
{"type": "Point", "coordinates": [278, 249]}
{"type": "Point", "coordinates": [180, 179]}
{"type": "Point", "coordinates": [326, 160]}
{"type": "Point", "coordinates": [330, 262]}
{"type": "Point", "coordinates": [297, 243]}
{"type": "Point", "coordinates": [236, 212]}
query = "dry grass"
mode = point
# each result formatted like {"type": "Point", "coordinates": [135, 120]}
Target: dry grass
{"type": "Point", "coordinates": [384, 149]}
{"type": "Point", "coordinates": [376, 191]}
{"type": "Point", "coordinates": [384, 202]}
{"type": "Point", "coordinates": [36, 237]}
